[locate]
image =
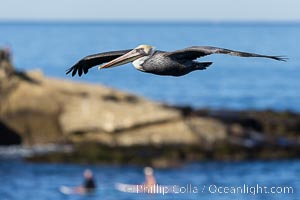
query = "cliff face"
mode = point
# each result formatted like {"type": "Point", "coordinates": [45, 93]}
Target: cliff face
{"type": "Point", "coordinates": [109, 125]}
{"type": "Point", "coordinates": [44, 110]}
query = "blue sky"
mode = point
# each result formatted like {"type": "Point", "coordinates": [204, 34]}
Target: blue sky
{"type": "Point", "coordinates": [151, 10]}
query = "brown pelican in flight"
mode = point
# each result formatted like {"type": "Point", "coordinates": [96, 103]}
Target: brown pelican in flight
{"type": "Point", "coordinates": [147, 59]}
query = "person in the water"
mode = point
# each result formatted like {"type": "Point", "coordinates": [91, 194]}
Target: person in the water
{"type": "Point", "coordinates": [149, 177]}
{"type": "Point", "coordinates": [89, 184]}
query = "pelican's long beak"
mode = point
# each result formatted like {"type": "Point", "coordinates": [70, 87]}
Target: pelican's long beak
{"type": "Point", "coordinates": [126, 58]}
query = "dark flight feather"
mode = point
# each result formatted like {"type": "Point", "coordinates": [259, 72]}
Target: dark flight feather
{"type": "Point", "coordinates": [200, 51]}
{"type": "Point", "coordinates": [83, 65]}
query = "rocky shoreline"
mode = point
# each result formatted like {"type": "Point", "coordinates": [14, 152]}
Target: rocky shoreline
{"type": "Point", "coordinates": [109, 126]}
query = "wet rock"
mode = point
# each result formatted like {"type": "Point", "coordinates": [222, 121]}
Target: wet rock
{"type": "Point", "coordinates": [9, 136]}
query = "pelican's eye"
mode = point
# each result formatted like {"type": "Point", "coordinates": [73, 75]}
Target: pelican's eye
{"type": "Point", "coordinates": [141, 51]}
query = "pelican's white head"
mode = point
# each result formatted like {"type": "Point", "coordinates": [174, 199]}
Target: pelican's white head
{"type": "Point", "coordinates": [148, 49]}
{"type": "Point", "coordinates": [138, 56]}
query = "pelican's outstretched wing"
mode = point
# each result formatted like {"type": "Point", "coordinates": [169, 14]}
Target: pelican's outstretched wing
{"type": "Point", "coordinates": [200, 51]}
{"type": "Point", "coordinates": [83, 65]}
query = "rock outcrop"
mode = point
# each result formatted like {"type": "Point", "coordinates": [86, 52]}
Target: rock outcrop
{"type": "Point", "coordinates": [104, 124]}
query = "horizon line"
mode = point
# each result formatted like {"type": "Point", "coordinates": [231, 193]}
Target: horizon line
{"type": "Point", "coordinates": [98, 21]}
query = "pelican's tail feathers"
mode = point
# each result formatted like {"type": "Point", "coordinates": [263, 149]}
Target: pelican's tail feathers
{"type": "Point", "coordinates": [201, 65]}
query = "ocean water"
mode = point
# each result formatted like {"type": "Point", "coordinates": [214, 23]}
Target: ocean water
{"type": "Point", "coordinates": [231, 82]}
{"type": "Point", "coordinates": [205, 180]}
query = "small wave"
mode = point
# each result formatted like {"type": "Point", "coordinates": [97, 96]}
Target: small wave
{"type": "Point", "coordinates": [16, 151]}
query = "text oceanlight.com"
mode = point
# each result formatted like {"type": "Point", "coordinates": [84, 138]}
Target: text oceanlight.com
{"type": "Point", "coordinates": [212, 189]}
{"type": "Point", "coordinates": [253, 190]}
